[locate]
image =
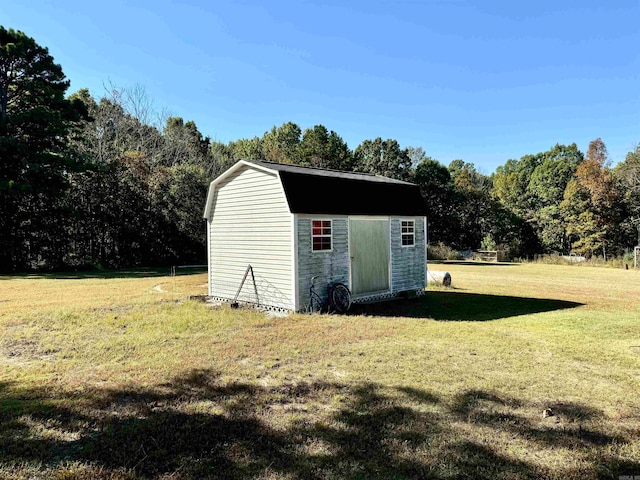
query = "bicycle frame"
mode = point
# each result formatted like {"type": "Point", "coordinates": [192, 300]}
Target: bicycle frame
{"type": "Point", "coordinates": [313, 295]}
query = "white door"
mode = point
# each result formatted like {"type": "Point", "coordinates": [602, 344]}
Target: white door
{"type": "Point", "coordinates": [369, 248]}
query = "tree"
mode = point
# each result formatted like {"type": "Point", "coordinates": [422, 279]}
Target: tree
{"type": "Point", "coordinates": [281, 144]}
{"type": "Point", "coordinates": [246, 149]}
{"type": "Point", "coordinates": [187, 192]}
{"type": "Point", "coordinates": [416, 155]}
{"type": "Point", "coordinates": [627, 174]}
{"type": "Point", "coordinates": [629, 170]}
{"type": "Point", "coordinates": [34, 114]}
{"type": "Point", "coordinates": [383, 157]}
{"type": "Point", "coordinates": [549, 179]}
{"type": "Point", "coordinates": [592, 204]}
{"type": "Point", "coordinates": [471, 205]}
{"type": "Point", "coordinates": [183, 143]}
{"type": "Point", "coordinates": [35, 123]}
{"type": "Point", "coordinates": [465, 177]}
{"type": "Point", "coordinates": [511, 184]}
{"type": "Point", "coordinates": [532, 189]}
{"type": "Point", "coordinates": [138, 204]}
{"type": "Point", "coordinates": [323, 149]}
{"type": "Point", "coordinates": [436, 188]}
{"type": "Point", "coordinates": [546, 191]}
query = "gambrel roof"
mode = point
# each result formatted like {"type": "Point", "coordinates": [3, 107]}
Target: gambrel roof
{"type": "Point", "coordinates": [330, 192]}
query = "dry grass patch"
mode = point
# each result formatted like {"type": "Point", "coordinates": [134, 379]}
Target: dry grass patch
{"type": "Point", "coordinates": [450, 386]}
{"type": "Point", "coordinates": [33, 295]}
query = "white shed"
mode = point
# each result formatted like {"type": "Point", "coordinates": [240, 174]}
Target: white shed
{"type": "Point", "coordinates": [294, 223]}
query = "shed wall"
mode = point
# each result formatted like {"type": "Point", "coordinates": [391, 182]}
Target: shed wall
{"type": "Point", "coordinates": [331, 266]}
{"type": "Point", "coordinates": [407, 263]}
{"type": "Point", "coordinates": [251, 224]}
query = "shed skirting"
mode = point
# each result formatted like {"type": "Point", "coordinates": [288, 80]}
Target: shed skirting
{"type": "Point", "coordinates": [361, 299]}
{"type": "Point", "coordinates": [386, 296]}
{"type": "Point", "coordinates": [257, 306]}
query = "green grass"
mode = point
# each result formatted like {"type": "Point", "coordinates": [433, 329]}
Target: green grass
{"type": "Point", "coordinates": [120, 378]}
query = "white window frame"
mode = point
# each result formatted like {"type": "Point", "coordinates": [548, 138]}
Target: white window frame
{"type": "Point", "coordinates": [412, 233]}
{"type": "Point", "coordinates": [330, 236]}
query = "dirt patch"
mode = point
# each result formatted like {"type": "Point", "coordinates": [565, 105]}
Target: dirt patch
{"type": "Point", "coordinates": [17, 350]}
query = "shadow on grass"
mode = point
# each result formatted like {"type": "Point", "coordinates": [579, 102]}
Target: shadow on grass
{"type": "Point", "coordinates": [458, 306]}
{"type": "Point", "coordinates": [107, 274]}
{"type": "Point", "coordinates": [198, 427]}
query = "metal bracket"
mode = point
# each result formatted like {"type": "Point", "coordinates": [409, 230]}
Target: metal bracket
{"type": "Point", "coordinates": [234, 304]}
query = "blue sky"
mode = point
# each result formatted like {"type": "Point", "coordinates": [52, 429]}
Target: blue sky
{"type": "Point", "coordinates": [483, 81]}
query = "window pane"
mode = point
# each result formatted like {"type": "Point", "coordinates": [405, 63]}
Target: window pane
{"type": "Point", "coordinates": [322, 243]}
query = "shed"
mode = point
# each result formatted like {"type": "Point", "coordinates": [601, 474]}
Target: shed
{"type": "Point", "coordinates": [293, 223]}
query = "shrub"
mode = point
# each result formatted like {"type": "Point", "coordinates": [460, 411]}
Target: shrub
{"type": "Point", "coordinates": [440, 251]}
{"type": "Point", "coordinates": [555, 259]}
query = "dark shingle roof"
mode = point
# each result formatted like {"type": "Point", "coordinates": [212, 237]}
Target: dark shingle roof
{"type": "Point", "coordinates": [325, 172]}
{"type": "Point", "coordinates": [332, 192]}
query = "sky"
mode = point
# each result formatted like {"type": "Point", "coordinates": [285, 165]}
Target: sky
{"type": "Point", "coordinates": [483, 81]}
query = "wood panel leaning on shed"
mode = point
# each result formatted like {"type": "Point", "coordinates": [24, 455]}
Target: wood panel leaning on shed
{"type": "Point", "coordinates": [293, 223]}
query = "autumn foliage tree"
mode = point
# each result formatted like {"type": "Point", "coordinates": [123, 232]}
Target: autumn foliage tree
{"type": "Point", "coordinates": [592, 204]}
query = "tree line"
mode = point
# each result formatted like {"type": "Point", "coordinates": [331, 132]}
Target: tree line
{"type": "Point", "coordinates": [108, 182]}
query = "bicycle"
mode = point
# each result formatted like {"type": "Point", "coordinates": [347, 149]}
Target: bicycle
{"type": "Point", "coordinates": [338, 298]}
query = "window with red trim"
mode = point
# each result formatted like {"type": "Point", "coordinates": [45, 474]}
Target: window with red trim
{"type": "Point", "coordinates": [321, 235]}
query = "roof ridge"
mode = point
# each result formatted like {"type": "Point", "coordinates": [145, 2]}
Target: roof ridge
{"type": "Point", "coordinates": [321, 169]}
{"type": "Point", "coordinates": [318, 168]}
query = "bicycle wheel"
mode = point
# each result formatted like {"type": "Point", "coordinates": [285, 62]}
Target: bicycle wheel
{"type": "Point", "coordinates": [340, 297]}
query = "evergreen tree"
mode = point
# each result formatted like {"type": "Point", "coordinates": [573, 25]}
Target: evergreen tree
{"type": "Point", "coordinates": [35, 123]}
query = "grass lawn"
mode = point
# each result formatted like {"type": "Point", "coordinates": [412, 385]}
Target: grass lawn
{"type": "Point", "coordinates": [518, 371]}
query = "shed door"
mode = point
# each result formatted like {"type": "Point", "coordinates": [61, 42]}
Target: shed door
{"type": "Point", "coordinates": [369, 245]}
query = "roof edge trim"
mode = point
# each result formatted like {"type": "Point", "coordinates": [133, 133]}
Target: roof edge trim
{"type": "Point", "coordinates": [236, 166]}
{"type": "Point", "coordinates": [207, 206]}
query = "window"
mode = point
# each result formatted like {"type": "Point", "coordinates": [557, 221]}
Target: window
{"type": "Point", "coordinates": [408, 233]}
{"type": "Point", "coordinates": [321, 235]}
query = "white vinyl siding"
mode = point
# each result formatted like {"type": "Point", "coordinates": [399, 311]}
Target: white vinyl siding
{"type": "Point", "coordinates": [407, 264]}
{"type": "Point", "coordinates": [251, 224]}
